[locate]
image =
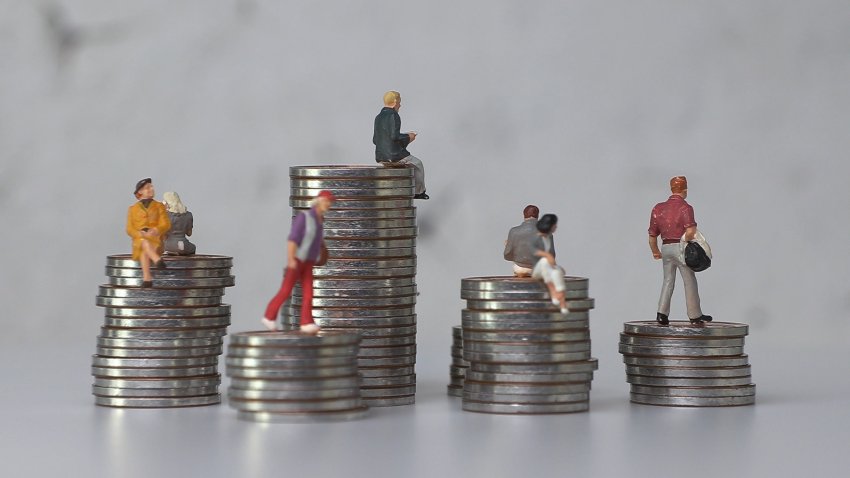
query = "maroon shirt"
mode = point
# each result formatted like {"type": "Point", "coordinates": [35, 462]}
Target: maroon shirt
{"type": "Point", "coordinates": [670, 218]}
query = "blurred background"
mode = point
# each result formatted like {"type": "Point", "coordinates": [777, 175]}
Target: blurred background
{"type": "Point", "coordinates": [583, 108]}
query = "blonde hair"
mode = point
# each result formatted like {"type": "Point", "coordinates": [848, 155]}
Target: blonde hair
{"type": "Point", "coordinates": [391, 96]}
{"type": "Point", "coordinates": [173, 203]}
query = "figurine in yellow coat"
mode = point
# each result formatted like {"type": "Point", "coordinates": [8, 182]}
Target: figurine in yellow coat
{"type": "Point", "coordinates": [147, 223]}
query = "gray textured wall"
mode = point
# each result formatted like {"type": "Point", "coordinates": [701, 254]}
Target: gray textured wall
{"type": "Point", "coordinates": [583, 107]}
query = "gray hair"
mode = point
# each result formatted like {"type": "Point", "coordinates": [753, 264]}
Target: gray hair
{"type": "Point", "coordinates": [173, 203]}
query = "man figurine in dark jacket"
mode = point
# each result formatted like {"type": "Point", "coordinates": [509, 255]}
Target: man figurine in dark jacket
{"type": "Point", "coordinates": [519, 248]}
{"type": "Point", "coordinates": [391, 143]}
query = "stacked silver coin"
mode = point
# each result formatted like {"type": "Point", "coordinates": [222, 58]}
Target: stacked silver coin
{"type": "Point", "coordinates": [159, 346]}
{"type": "Point", "coordinates": [525, 356]}
{"type": "Point", "coordinates": [457, 371]}
{"type": "Point", "coordinates": [291, 376]}
{"type": "Point", "coordinates": [685, 365]}
{"type": "Point", "coordinates": [369, 282]}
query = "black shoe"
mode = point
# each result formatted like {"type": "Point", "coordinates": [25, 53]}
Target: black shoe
{"type": "Point", "coordinates": [662, 319]}
{"type": "Point", "coordinates": [699, 320]}
{"type": "Point", "coordinates": [421, 196]}
{"type": "Point", "coordinates": [160, 264]}
{"type": "Point", "coordinates": [147, 284]}
{"type": "Point", "coordinates": [704, 318]}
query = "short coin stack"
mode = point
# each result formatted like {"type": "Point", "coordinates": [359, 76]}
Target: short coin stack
{"type": "Point", "coordinates": [291, 376]}
{"type": "Point", "coordinates": [525, 356]}
{"type": "Point", "coordinates": [159, 346]}
{"type": "Point", "coordinates": [369, 282]}
{"type": "Point", "coordinates": [686, 365]}
{"type": "Point", "coordinates": [457, 371]}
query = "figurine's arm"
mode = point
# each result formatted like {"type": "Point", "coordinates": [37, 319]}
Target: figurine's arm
{"type": "Point", "coordinates": [690, 232]}
{"type": "Point", "coordinates": [509, 249]}
{"type": "Point", "coordinates": [134, 228]}
{"type": "Point", "coordinates": [653, 246]}
{"type": "Point", "coordinates": [395, 131]}
{"type": "Point", "coordinates": [191, 224]}
{"type": "Point", "coordinates": [291, 247]}
{"type": "Point", "coordinates": [549, 257]}
{"type": "Point", "coordinates": [164, 223]}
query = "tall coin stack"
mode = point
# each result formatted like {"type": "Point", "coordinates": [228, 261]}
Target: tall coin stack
{"type": "Point", "coordinates": [525, 356]}
{"type": "Point", "coordinates": [159, 346]}
{"type": "Point", "coordinates": [290, 376]}
{"type": "Point", "coordinates": [688, 366]}
{"type": "Point", "coordinates": [457, 371]}
{"type": "Point", "coordinates": [369, 282]}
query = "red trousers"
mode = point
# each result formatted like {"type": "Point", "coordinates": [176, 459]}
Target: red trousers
{"type": "Point", "coordinates": [304, 271]}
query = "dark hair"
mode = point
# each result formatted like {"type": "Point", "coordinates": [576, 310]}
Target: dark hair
{"type": "Point", "coordinates": [530, 211]}
{"type": "Point", "coordinates": [546, 223]}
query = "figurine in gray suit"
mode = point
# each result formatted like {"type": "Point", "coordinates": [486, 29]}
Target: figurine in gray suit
{"type": "Point", "coordinates": [176, 241]}
{"type": "Point", "coordinates": [519, 248]}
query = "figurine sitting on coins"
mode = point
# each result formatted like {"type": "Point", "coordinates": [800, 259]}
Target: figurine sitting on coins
{"type": "Point", "coordinates": [546, 269]}
{"type": "Point", "coordinates": [176, 241]}
{"type": "Point", "coordinates": [519, 247]}
{"type": "Point", "coordinates": [305, 248]}
{"type": "Point", "coordinates": [147, 222]}
{"type": "Point", "coordinates": [391, 143]}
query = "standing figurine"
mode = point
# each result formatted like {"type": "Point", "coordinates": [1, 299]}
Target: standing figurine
{"type": "Point", "coordinates": [147, 222]}
{"type": "Point", "coordinates": [546, 269]}
{"type": "Point", "coordinates": [519, 248]}
{"type": "Point", "coordinates": [674, 221]}
{"type": "Point", "coordinates": [304, 249]}
{"type": "Point", "coordinates": [391, 143]}
{"type": "Point", "coordinates": [181, 226]}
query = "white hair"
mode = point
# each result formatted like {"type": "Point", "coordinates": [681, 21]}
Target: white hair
{"type": "Point", "coordinates": [173, 203]}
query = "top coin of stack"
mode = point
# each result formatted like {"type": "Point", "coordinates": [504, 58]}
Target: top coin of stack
{"type": "Point", "coordinates": [159, 346]}
{"type": "Point", "coordinates": [368, 284]}
{"type": "Point", "coordinates": [685, 365]}
{"type": "Point", "coordinates": [526, 357]}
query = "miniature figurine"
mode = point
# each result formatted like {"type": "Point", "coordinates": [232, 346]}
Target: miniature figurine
{"type": "Point", "coordinates": [546, 269]}
{"type": "Point", "coordinates": [181, 226]}
{"type": "Point", "coordinates": [147, 222]}
{"type": "Point", "coordinates": [674, 221]}
{"type": "Point", "coordinates": [519, 248]}
{"type": "Point", "coordinates": [391, 143]}
{"type": "Point", "coordinates": [304, 249]}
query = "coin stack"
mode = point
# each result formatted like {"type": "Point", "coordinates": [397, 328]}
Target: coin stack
{"type": "Point", "coordinates": [159, 346]}
{"type": "Point", "coordinates": [369, 282]}
{"type": "Point", "coordinates": [457, 371]}
{"type": "Point", "coordinates": [685, 365]}
{"type": "Point", "coordinates": [290, 376]}
{"type": "Point", "coordinates": [525, 356]}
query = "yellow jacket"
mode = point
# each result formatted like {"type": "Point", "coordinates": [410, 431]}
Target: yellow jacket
{"type": "Point", "coordinates": [154, 216]}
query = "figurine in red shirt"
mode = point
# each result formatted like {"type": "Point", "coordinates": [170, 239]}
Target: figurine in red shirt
{"type": "Point", "coordinates": [673, 219]}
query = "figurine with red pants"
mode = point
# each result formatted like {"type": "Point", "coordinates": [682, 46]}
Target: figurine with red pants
{"type": "Point", "coordinates": [304, 249]}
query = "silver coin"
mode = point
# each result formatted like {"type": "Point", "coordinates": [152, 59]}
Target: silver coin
{"type": "Point", "coordinates": [524, 409]}
{"type": "Point", "coordinates": [387, 392]}
{"type": "Point", "coordinates": [398, 361]}
{"type": "Point", "coordinates": [262, 353]}
{"type": "Point", "coordinates": [507, 398]}
{"type": "Point", "coordinates": [163, 323]}
{"type": "Point", "coordinates": [681, 351]}
{"type": "Point", "coordinates": [525, 388]}
{"type": "Point", "coordinates": [525, 358]}
{"type": "Point", "coordinates": [457, 331]}
{"type": "Point", "coordinates": [331, 223]}
{"type": "Point", "coordinates": [520, 326]}
{"type": "Point", "coordinates": [389, 341]}
{"type": "Point", "coordinates": [459, 362]}
{"type": "Point", "coordinates": [376, 333]}
{"type": "Point", "coordinates": [246, 362]}
{"type": "Point", "coordinates": [584, 366]}
{"type": "Point", "coordinates": [348, 171]}
{"type": "Point", "coordinates": [373, 253]}
{"type": "Point", "coordinates": [510, 283]}
{"type": "Point", "coordinates": [687, 362]}
{"type": "Point", "coordinates": [175, 402]}
{"type": "Point", "coordinates": [686, 329]}
{"type": "Point", "coordinates": [520, 295]}
{"type": "Point", "coordinates": [692, 401]}
{"type": "Point", "coordinates": [739, 391]}
{"type": "Point", "coordinates": [389, 381]}
{"type": "Point", "coordinates": [332, 214]}
{"type": "Point", "coordinates": [527, 337]}
{"type": "Point", "coordinates": [522, 305]}
{"type": "Point", "coordinates": [319, 184]}
{"type": "Point", "coordinates": [456, 381]}
{"type": "Point", "coordinates": [372, 352]}
{"type": "Point", "coordinates": [153, 392]}
{"type": "Point", "coordinates": [688, 382]}
{"type": "Point", "coordinates": [223, 309]}
{"type": "Point", "coordinates": [682, 372]}
{"type": "Point", "coordinates": [174, 262]}
{"type": "Point", "coordinates": [156, 294]}
{"type": "Point", "coordinates": [293, 339]}
{"type": "Point", "coordinates": [360, 293]}
{"type": "Point", "coordinates": [310, 417]}
{"type": "Point", "coordinates": [508, 317]}
{"type": "Point", "coordinates": [115, 362]}
{"type": "Point", "coordinates": [151, 383]}
{"type": "Point", "coordinates": [357, 194]}
{"type": "Point", "coordinates": [158, 343]}
{"type": "Point", "coordinates": [170, 273]}
{"type": "Point", "coordinates": [334, 263]}
{"type": "Point", "coordinates": [329, 284]}
{"type": "Point", "coordinates": [351, 381]}
{"type": "Point", "coordinates": [190, 302]}
{"type": "Point", "coordinates": [344, 203]}
{"type": "Point", "coordinates": [454, 390]}
{"type": "Point", "coordinates": [374, 372]}
{"type": "Point", "coordinates": [390, 402]}
{"type": "Point", "coordinates": [508, 378]}
{"type": "Point", "coordinates": [287, 373]}
{"type": "Point", "coordinates": [163, 334]}
{"type": "Point", "coordinates": [538, 348]}
{"type": "Point", "coordinates": [115, 372]}
{"type": "Point", "coordinates": [371, 326]}
{"type": "Point", "coordinates": [236, 393]}
{"type": "Point", "coordinates": [392, 233]}
{"type": "Point", "coordinates": [680, 342]}
{"type": "Point", "coordinates": [365, 302]}
{"type": "Point", "coordinates": [295, 406]}
{"type": "Point", "coordinates": [408, 243]}
{"type": "Point", "coordinates": [364, 273]}
{"type": "Point", "coordinates": [159, 353]}
{"type": "Point", "coordinates": [458, 371]}
{"type": "Point", "coordinates": [361, 313]}
{"type": "Point", "coordinates": [167, 283]}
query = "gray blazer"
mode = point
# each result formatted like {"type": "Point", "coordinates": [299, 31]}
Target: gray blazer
{"type": "Point", "coordinates": [181, 225]}
{"type": "Point", "coordinates": [521, 244]}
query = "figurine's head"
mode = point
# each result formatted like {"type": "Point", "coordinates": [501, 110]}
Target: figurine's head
{"type": "Point", "coordinates": [323, 201]}
{"type": "Point", "coordinates": [173, 203]}
{"type": "Point", "coordinates": [530, 211]}
{"type": "Point", "coordinates": [679, 185]}
{"type": "Point", "coordinates": [144, 189]}
{"type": "Point", "coordinates": [392, 99]}
{"type": "Point", "coordinates": [547, 224]}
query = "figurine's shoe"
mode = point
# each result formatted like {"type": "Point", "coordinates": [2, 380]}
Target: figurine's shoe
{"type": "Point", "coordinates": [662, 319]}
{"type": "Point", "coordinates": [697, 321]}
{"type": "Point", "coordinates": [556, 302]}
{"type": "Point", "coordinates": [311, 329]}
{"type": "Point", "coordinates": [147, 284]}
{"type": "Point", "coordinates": [160, 264]}
{"type": "Point", "coordinates": [270, 324]}
{"type": "Point", "coordinates": [421, 196]}
{"type": "Point", "coordinates": [701, 319]}
{"type": "Point", "coordinates": [565, 310]}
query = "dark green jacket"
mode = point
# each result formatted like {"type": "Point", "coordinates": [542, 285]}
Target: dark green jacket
{"type": "Point", "coordinates": [390, 142]}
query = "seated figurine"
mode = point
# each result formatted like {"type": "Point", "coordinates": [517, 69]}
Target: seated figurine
{"type": "Point", "coordinates": [519, 247]}
{"type": "Point", "coordinates": [147, 223]}
{"type": "Point", "coordinates": [176, 241]}
{"type": "Point", "coordinates": [546, 269]}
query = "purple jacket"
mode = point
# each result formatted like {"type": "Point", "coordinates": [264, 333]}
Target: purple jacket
{"type": "Point", "coordinates": [307, 227]}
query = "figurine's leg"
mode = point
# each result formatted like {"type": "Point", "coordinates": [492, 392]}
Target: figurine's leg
{"type": "Point", "coordinates": [145, 260]}
{"type": "Point", "coordinates": [560, 286]}
{"type": "Point", "coordinates": [285, 291]}
{"type": "Point", "coordinates": [689, 279]}
{"type": "Point", "coordinates": [418, 173]}
{"type": "Point", "coordinates": [307, 293]}
{"type": "Point", "coordinates": [668, 253]}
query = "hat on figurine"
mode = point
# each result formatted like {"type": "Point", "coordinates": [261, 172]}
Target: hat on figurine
{"type": "Point", "coordinates": [141, 184]}
{"type": "Point", "coordinates": [327, 195]}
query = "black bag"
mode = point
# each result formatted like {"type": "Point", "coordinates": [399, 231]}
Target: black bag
{"type": "Point", "coordinates": [696, 258]}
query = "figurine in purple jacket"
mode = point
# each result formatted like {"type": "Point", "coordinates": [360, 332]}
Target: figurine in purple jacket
{"type": "Point", "coordinates": [304, 248]}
